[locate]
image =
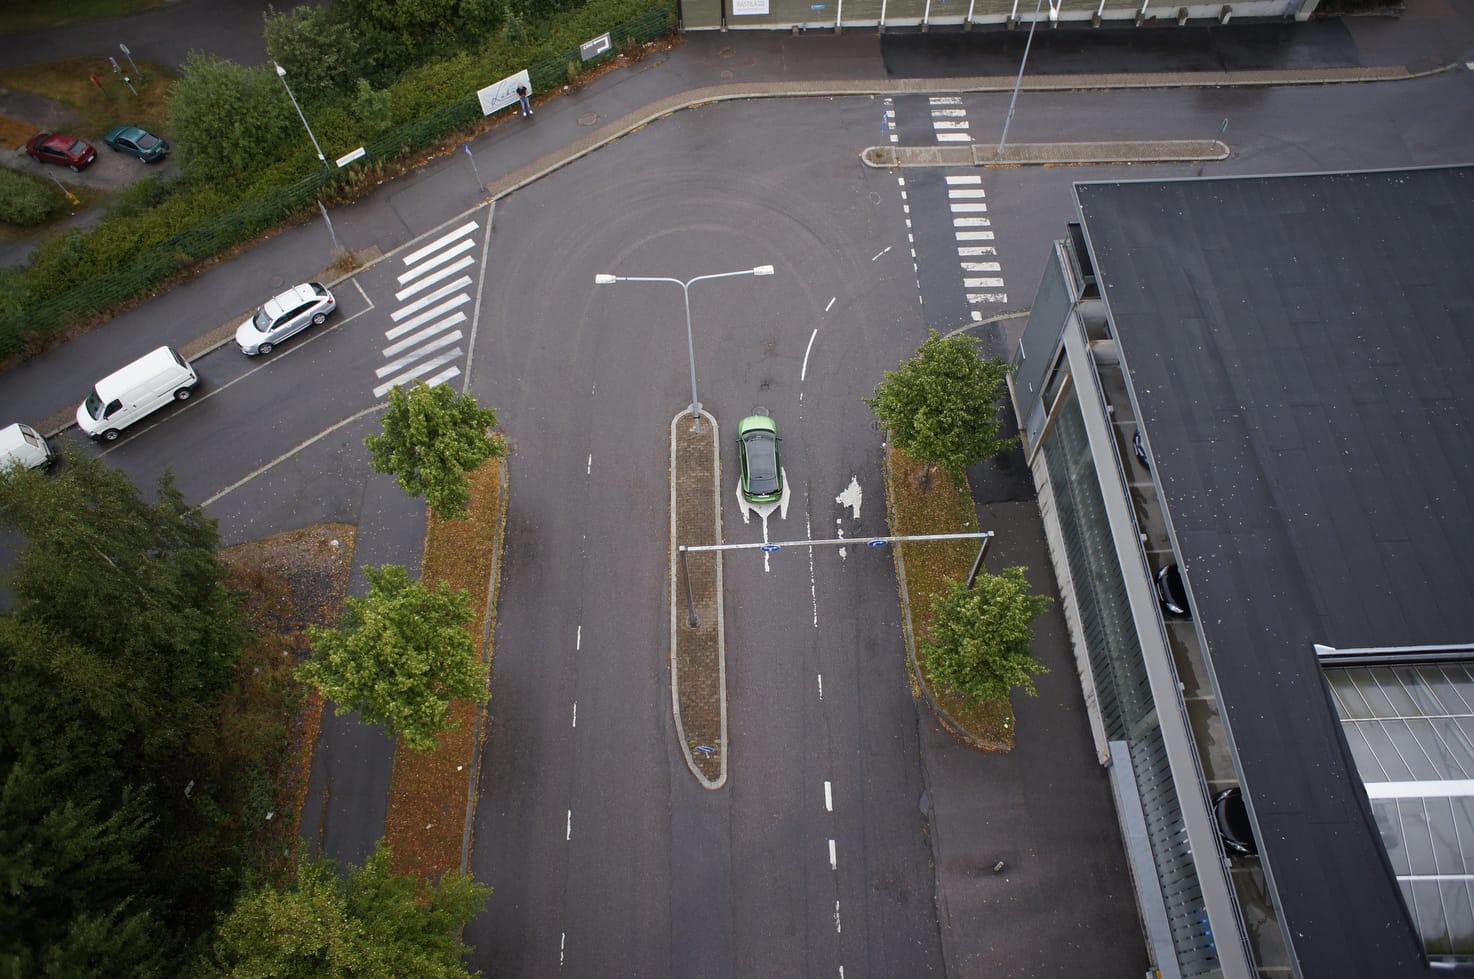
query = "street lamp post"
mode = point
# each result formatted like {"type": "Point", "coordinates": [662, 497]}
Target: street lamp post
{"type": "Point", "coordinates": [605, 279]}
{"type": "Point", "coordinates": [1022, 61]}
{"type": "Point", "coordinates": [282, 74]}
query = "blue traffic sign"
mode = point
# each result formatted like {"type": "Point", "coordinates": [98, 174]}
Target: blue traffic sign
{"type": "Point", "coordinates": [769, 548]}
{"type": "Point", "coordinates": [876, 543]}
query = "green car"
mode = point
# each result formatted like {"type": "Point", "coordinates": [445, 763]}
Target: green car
{"type": "Point", "coordinates": [758, 459]}
{"type": "Point", "coordinates": [136, 142]}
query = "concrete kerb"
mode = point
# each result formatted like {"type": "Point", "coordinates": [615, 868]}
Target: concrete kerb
{"type": "Point", "coordinates": [1047, 154]}
{"type": "Point", "coordinates": [712, 602]}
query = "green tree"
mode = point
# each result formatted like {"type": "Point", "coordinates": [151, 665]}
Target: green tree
{"type": "Point", "coordinates": [370, 925]}
{"type": "Point", "coordinates": [980, 639]}
{"type": "Point", "coordinates": [943, 405]}
{"type": "Point", "coordinates": [399, 657]}
{"type": "Point", "coordinates": [320, 52]}
{"type": "Point", "coordinates": [227, 120]}
{"type": "Point", "coordinates": [375, 109]}
{"type": "Point", "coordinates": [124, 602]}
{"type": "Point", "coordinates": [432, 437]}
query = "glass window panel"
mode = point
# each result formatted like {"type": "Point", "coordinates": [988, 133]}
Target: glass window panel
{"type": "Point", "coordinates": [1415, 838]}
{"type": "Point", "coordinates": [1390, 686]}
{"type": "Point", "coordinates": [1384, 811]}
{"type": "Point", "coordinates": [1450, 746]}
{"type": "Point", "coordinates": [1442, 837]}
{"type": "Point", "coordinates": [1423, 700]}
{"type": "Point", "coordinates": [1361, 752]}
{"type": "Point", "coordinates": [1348, 694]}
{"type": "Point", "coordinates": [1458, 915]}
{"type": "Point", "coordinates": [1404, 741]}
{"type": "Point", "coordinates": [1463, 814]}
{"type": "Point", "coordinates": [1392, 766]}
{"type": "Point", "coordinates": [1428, 910]}
{"type": "Point", "coordinates": [1376, 700]}
{"type": "Point", "coordinates": [1423, 750]}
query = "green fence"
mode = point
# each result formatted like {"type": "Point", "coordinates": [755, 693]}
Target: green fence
{"type": "Point", "coordinates": [155, 264]}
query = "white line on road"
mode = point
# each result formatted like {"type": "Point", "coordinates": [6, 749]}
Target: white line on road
{"type": "Point", "coordinates": [430, 280]}
{"type": "Point", "coordinates": [442, 377]}
{"type": "Point", "coordinates": [813, 587]}
{"type": "Point", "coordinates": [974, 235]}
{"type": "Point", "coordinates": [980, 267]}
{"type": "Point", "coordinates": [828, 797]}
{"type": "Point", "coordinates": [880, 253]}
{"type": "Point", "coordinates": [417, 353]}
{"type": "Point", "coordinates": [972, 223]}
{"type": "Point", "coordinates": [563, 943]}
{"type": "Point", "coordinates": [439, 243]}
{"type": "Point", "coordinates": [431, 299]}
{"type": "Point", "coordinates": [983, 283]}
{"type": "Point", "coordinates": [424, 334]}
{"type": "Point", "coordinates": [366, 299]}
{"type": "Point", "coordinates": [970, 207]}
{"type": "Point", "coordinates": [837, 928]}
{"type": "Point", "coordinates": [964, 179]}
{"type": "Point", "coordinates": [959, 194]}
{"type": "Point", "coordinates": [831, 303]}
{"type": "Point", "coordinates": [440, 259]}
{"type": "Point", "coordinates": [419, 371]}
{"type": "Point", "coordinates": [393, 333]}
{"type": "Point", "coordinates": [833, 860]}
{"type": "Point", "coordinates": [805, 372]}
{"type": "Point", "coordinates": [967, 250]}
{"type": "Point", "coordinates": [945, 100]}
{"type": "Point", "coordinates": [954, 138]}
{"type": "Point", "coordinates": [821, 686]}
{"type": "Point", "coordinates": [568, 834]}
{"type": "Point", "coordinates": [575, 713]}
{"type": "Point", "coordinates": [288, 454]}
{"type": "Point", "coordinates": [578, 639]}
{"type": "Point", "coordinates": [589, 467]}
{"type": "Point", "coordinates": [943, 124]}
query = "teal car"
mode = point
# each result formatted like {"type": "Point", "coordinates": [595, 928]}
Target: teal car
{"type": "Point", "coordinates": [758, 459]}
{"type": "Point", "coordinates": [136, 142]}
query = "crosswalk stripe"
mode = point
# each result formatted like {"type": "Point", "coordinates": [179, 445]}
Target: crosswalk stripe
{"type": "Point", "coordinates": [442, 377]}
{"type": "Point", "coordinates": [425, 317]}
{"type": "Point", "coordinates": [417, 371]}
{"type": "Point", "coordinates": [973, 207]}
{"type": "Point", "coordinates": [983, 283]}
{"type": "Point", "coordinates": [971, 223]}
{"type": "Point", "coordinates": [943, 124]}
{"type": "Point", "coordinates": [963, 179]}
{"type": "Point", "coordinates": [434, 297]}
{"type": "Point", "coordinates": [961, 194]}
{"type": "Point", "coordinates": [430, 280]}
{"type": "Point", "coordinates": [980, 266]}
{"type": "Point", "coordinates": [945, 100]}
{"type": "Point", "coordinates": [973, 235]}
{"type": "Point", "coordinates": [417, 353]}
{"type": "Point", "coordinates": [954, 137]}
{"type": "Point", "coordinates": [965, 250]}
{"type": "Point", "coordinates": [948, 113]}
{"type": "Point", "coordinates": [440, 259]}
{"type": "Point", "coordinates": [426, 333]}
{"type": "Point", "coordinates": [439, 243]}
{"type": "Point", "coordinates": [987, 297]}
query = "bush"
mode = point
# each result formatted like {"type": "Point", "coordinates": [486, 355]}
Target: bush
{"type": "Point", "coordinates": [26, 201]}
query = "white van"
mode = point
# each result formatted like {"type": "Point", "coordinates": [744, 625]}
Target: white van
{"type": "Point", "coordinates": [23, 444]}
{"type": "Point", "coordinates": [126, 395]}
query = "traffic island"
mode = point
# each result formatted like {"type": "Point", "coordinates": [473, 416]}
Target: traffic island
{"type": "Point", "coordinates": [698, 673]}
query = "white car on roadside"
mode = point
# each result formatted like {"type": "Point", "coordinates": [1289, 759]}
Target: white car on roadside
{"type": "Point", "coordinates": [20, 443]}
{"type": "Point", "coordinates": [284, 315]}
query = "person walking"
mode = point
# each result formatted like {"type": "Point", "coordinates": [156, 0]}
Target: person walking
{"type": "Point", "coordinates": [522, 99]}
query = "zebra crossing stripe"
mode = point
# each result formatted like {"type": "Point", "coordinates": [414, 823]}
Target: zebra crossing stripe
{"type": "Point", "coordinates": [443, 376]}
{"type": "Point", "coordinates": [434, 297]}
{"type": "Point", "coordinates": [425, 317]}
{"type": "Point", "coordinates": [965, 250]}
{"type": "Point", "coordinates": [977, 207]}
{"type": "Point", "coordinates": [974, 235]}
{"type": "Point", "coordinates": [959, 194]}
{"type": "Point", "coordinates": [971, 223]}
{"type": "Point", "coordinates": [954, 137]}
{"type": "Point", "coordinates": [418, 371]}
{"type": "Point", "coordinates": [410, 358]}
{"type": "Point", "coordinates": [945, 100]}
{"type": "Point", "coordinates": [440, 243]}
{"type": "Point", "coordinates": [982, 283]}
{"type": "Point", "coordinates": [430, 263]}
{"type": "Point", "coordinates": [424, 334]}
{"type": "Point", "coordinates": [960, 180]}
{"type": "Point", "coordinates": [941, 124]}
{"type": "Point", "coordinates": [987, 297]}
{"type": "Point", "coordinates": [980, 266]}
{"type": "Point", "coordinates": [430, 280]}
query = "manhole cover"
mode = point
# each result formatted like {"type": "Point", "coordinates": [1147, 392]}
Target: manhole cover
{"type": "Point", "coordinates": [589, 119]}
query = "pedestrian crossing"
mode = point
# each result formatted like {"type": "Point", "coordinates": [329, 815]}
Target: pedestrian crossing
{"type": "Point", "coordinates": [425, 341]}
{"type": "Point", "coordinates": [949, 119]}
{"type": "Point", "coordinates": [972, 228]}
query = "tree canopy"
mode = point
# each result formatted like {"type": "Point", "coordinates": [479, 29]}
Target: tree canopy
{"type": "Point", "coordinates": [227, 120]}
{"type": "Point", "coordinates": [980, 639]}
{"type": "Point", "coordinates": [399, 656]}
{"type": "Point", "coordinates": [370, 925]}
{"type": "Point", "coordinates": [432, 437]}
{"type": "Point", "coordinates": [943, 405]}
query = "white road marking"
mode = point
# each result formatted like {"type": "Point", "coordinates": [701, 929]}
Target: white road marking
{"type": "Point", "coordinates": [971, 207]}
{"type": "Point", "coordinates": [563, 940]}
{"type": "Point", "coordinates": [442, 377]}
{"type": "Point", "coordinates": [419, 371]}
{"type": "Point", "coordinates": [813, 582]}
{"type": "Point", "coordinates": [431, 299]}
{"type": "Point", "coordinates": [805, 372]}
{"type": "Point", "coordinates": [821, 685]}
{"type": "Point", "coordinates": [980, 267]}
{"type": "Point", "coordinates": [958, 180]}
{"type": "Point", "coordinates": [954, 138]}
{"type": "Point", "coordinates": [410, 358]}
{"type": "Point", "coordinates": [366, 299]}
{"type": "Point", "coordinates": [578, 639]}
{"type": "Point", "coordinates": [439, 243]}
{"type": "Point", "coordinates": [851, 496]}
{"type": "Point", "coordinates": [941, 125]}
{"type": "Point", "coordinates": [837, 928]}
{"type": "Point", "coordinates": [575, 713]}
{"type": "Point", "coordinates": [880, 253]}
{"type": "Point", "coordinates": [831, 303]}
{"type": "Point", "coordinates": [438, 260]}
{"type": "Point", "coordinates": [945, 100]}
{"type": "Point", "coordinates": [426, 316]}
{"type": "Point", "coordinates": [983, 283]}
{"type": "Point", "coordinates": [987, 297]}
{"type": "Point", "coordinates": [289, 453]}
{"type": "Point", "coordinates": [430, 280]}
{"type": "Point", "coordinates": [962, 193]}
{"type": "Point", "coordinates": [972, 222]}
{"type": "Point", "coordinates": [828, 797]}
{"type": "Point", "coordinates": [973, 235]}
{"type": "Point", "coordinates": [424, 334]}
{"type": "Point", "coordinates": [966, 250]}
{"type": "Point", "coordinates": [948, 113]}
{"type": "Point", "coordinates": [589, 466]}
{"type": "Point", "coordinates": [568, 833]}
{"type": "Point", "coordinates": [833, 860]}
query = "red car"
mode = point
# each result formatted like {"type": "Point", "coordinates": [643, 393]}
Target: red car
{"type": "Point", "coordinates": [68, 151]}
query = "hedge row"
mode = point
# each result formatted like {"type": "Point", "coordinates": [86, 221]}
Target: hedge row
{"type": "Point", "coordinates": [154, 233]}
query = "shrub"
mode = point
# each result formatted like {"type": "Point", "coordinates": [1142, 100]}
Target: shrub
{"type": "Point", "coordinates": [26, 201]}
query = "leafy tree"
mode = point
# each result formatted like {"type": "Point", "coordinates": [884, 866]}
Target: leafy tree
{"type": "Point", "coordinates": [980, 639]}
{"type": "Point", "coordinates": [371, 924]}
{"type": "Point", "coordinates": [399, 657]}
{"type": "Point", "coordinates": [124, 601]}
{"type": "Point", "coordinates": [321, 52]}
{"type": "Point", "coordinates": [432, 437]}
{"type": "Point", "coordinates": [227, 120]}
{"type": "Point", "coordinates": [375, 109]}
{"type": "Point", "coordinates": [942, 405]}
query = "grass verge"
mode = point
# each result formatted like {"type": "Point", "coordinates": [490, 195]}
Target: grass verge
{"type": "Point", "coordinates": [924, 501]}
{"type": "Point", "coordinates": [98, 108]}
{"type": "Point", "coordinates": [429, 790]}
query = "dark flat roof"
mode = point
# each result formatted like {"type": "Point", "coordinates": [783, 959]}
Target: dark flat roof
{"type": "Point", "coordinates": [1302, 353]}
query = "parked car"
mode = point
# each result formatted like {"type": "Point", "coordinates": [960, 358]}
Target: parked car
{"type": "Point", "coordinates": [1172, 593]}
{"type": "Point", "coordinates": [1232, 818]}
{"type": "Point", "coordinates": [283, 315]}
{"type": "Point", "coordinates": [129, 393]}
{"type": "Point", "coordinates": [66, 151]}
{"type": "Point", "coordinates": [758, 459]}
{"type": "Point", "coordinates": [1138, 449]}
{"type": "Point", "coordinates": [136, 142]}
{"type": "Point", "coordinates": [20, 443]}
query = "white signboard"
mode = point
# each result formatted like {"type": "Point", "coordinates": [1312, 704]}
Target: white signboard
{"type": "Point", "coordinates": [343, 161]}
{"type": "Point", "coordinates": [749, 7]}
{"type": "Point", "coordinates": [499, 95]}
{"type": "Point", "coordinates": [589, 50]}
